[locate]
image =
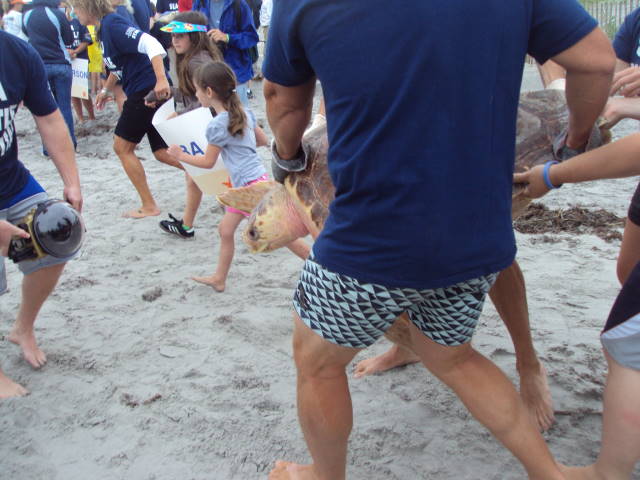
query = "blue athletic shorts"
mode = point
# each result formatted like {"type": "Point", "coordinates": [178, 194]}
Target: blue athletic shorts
{"type": "Point", "coordinates": [621, 335]}
{"type": "Point", "coordinates": [352, 314]}
{"type": "Point", "coordinates": [14, 214]}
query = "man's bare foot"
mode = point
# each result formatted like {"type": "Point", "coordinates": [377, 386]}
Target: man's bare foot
{"type": "Point", "coordinates": [291, 471]}
{"type": "Point", "coordinates": [142, 213]}
{"type": "Point", "coordinates": [9, 388]}
{"type": "Point", "coordinates": [30, 350]}
{"type": "Point", "coordinates": [212, 281]}
{"type": "Point", "coordinates": [396, 356]}
{"type": "Point", "coordinates": [581, 473]}
{"type": "Point", "coordinates": [536, 396]}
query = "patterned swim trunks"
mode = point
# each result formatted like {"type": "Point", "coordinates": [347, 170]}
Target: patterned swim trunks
{"type": "Point", "coordinates": [349, 313]}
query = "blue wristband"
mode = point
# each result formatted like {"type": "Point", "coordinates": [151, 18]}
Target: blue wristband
{"type": "Point", "coordinates": [545, 175]}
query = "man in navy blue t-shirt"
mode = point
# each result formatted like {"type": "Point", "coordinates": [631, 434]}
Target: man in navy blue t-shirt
{"type": "Point", "coordinates": [23, 79]}
{"type": "Point", "coordinates": [422, 141]}
{"type": "Point", "coordinates": [626, 82]}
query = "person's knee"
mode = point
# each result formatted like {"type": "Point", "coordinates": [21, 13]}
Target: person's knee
{"type": "Point", "coordinates": [316, 358]}
{"type": "Point", "coordinates": [122, 147]}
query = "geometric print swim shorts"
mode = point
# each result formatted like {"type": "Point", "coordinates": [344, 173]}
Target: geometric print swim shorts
{"type": "Point", "coordinates": [352, 314]}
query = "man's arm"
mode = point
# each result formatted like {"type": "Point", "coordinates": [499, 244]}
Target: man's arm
{"type": "Point", "coordinates": [590, 64]}
{"type": "Point", "coordinates": [288, 112]}
{"type": "Point", "coordinates": [56, 139]}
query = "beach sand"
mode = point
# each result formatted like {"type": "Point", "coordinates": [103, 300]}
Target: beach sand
{"type": "Point", "coordinates": [152, 376]}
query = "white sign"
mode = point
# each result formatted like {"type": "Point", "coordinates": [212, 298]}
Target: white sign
{"type": "Point", "coordinates": [188, 131]}
{"type": "Point", "coordinates": [80, 83]}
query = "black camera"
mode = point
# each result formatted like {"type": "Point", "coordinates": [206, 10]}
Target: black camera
{"type": "Point", "coordinates": [55, 229]}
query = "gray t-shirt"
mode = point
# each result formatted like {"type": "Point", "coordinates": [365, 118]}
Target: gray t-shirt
{"type": "Point", "coordinates": [238, 153]}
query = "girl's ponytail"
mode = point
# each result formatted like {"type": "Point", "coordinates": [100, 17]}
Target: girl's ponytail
{"type": "Point", "coordinates": [221, 79]}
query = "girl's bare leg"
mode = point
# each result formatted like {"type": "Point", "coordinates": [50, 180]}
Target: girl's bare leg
{"type": "Point", "coordinates": [227, 229]}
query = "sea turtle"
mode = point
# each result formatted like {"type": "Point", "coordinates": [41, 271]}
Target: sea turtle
{"type": "Point", "coordinates": [281, 213]}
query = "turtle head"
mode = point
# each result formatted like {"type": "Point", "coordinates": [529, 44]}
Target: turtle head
{"type": "Point", "coordinates": [274, 222]}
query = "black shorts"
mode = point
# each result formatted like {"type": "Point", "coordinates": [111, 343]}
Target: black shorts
{"type": "Point", "coordinates": [634, 208]}
{"type": "Point", "coordinates": [135, 122]}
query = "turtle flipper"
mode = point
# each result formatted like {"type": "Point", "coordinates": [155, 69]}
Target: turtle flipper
{"type": "Point", "coordinates": [245, 198]}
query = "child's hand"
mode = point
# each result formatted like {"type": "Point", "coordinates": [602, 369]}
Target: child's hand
{"type": "Point", "coordinates": [535, 182]}
{"type": "Point", "coordinates": [175, 152]}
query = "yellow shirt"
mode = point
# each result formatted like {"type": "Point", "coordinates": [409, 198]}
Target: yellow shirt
{"type": "Point", "coordinates": [95, 54]}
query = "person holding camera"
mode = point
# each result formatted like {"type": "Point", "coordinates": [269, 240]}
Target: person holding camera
{"type": "Point", "coordinates": [23, 79]}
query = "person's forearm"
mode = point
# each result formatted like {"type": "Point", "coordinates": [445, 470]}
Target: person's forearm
{"type": "Point", "coordinates": [288, 112]}
{"type": "Point", "coordinates": [587, 94]}
{"type": "Point", "coordinates": [59, 146]}
{"type": "Point", "coordinates": [196, 160]}
{"type": "Point", "coordinates": [110, 82]}
{"type": "Point", "coordinates": [589, 64]}
{"type": "Point", "coordinates": [616, 160]}
{"type": "Point", "coordinates": [158, 68]}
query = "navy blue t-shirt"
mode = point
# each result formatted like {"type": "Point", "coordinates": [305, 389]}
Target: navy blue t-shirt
{"type": "Point", "coordinates": [142, 14]}
{"type": "Point", "coordinates": [80, 34]}
{"type": "Point", "coordinates": [421, 104]}
{"type": "Point", "coordinates": [126, 14]}
{"type": "Point", "coordinates": [166, 6]}
{"type": "Point", "coordinates": [119, 42]}
{"type": "Point", "coordinates": [627, 40]}
{"type": "Point", "coordinates": [22, 78]}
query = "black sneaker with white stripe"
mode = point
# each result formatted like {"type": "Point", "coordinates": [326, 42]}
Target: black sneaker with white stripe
{"type": "Point", "coordinates": [176, 227]}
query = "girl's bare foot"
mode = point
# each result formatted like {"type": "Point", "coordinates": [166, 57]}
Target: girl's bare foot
{"type": "Point", "coordinates": [212, 281]}
{"type": "Point", "coordinates": [30, 350]}
{"type": "Point", "coordinates": [291, 471]}
{"type": "Point", "coordinates": [142, 213]}
{"type": "Point", "coordinates": [9, 388]}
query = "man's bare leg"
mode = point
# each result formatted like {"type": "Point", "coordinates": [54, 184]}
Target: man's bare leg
{"type": "Point", "coordinates": [36, 288]}
{"type": "Point", "coordinates": [324, 406]}
{"type": "Point", "coordinates": [9, 388]}
{"type": "Point", "coordinates": [135, 171]}
{"type": "Point", "coordinates": [510, 299]}
{"type": "Point", "coordinates": [620, 449]}
{"type": "Point", "coordinates": [491, 399]}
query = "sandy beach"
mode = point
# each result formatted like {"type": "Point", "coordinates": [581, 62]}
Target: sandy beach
{"type": "Point", "coordinates": [154, 377]}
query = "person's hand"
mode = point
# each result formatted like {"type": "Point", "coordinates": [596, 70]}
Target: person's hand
{"type": "Point", "coordinates": [218, 36]}
{"type": "Point", "coordinates": [175, 152]}
{"type": "Point", "coordinates": [626, 82]}
{"type": "Point", "coordinates": [162, 89]}
{"type": "Point", "coordinates": [72, 53]}
{"type": "Point", "coordinates": [614, 111]}
{"type": "Point", "coordinates": [535, 186]}
{"type": "Point", "coordinates": [102, 98]}
{"type": "Point", "coordinates": [73, 196]}
{"type": "Point", "coordinates": [8, 231]}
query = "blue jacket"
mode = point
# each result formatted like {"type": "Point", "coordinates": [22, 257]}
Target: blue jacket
{"type": "Point", "coordinates": [241, 37]}
{"type": "Point", "coordinates": [49, 31]}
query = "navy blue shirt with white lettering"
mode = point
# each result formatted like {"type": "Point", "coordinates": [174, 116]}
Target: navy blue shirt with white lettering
{"type": "Point", "coordinates": [119, 42]}
{"type": "Point", "coordinates": [421, 127]}
{"type": "Point", "coordinates": [22, 78]}
{"type": "Point", "coordinates": [166, 6]}
{"type": "Point", "coordinates": [627, 40]}
{"type": "Point", "coordinates": [80, 34]}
